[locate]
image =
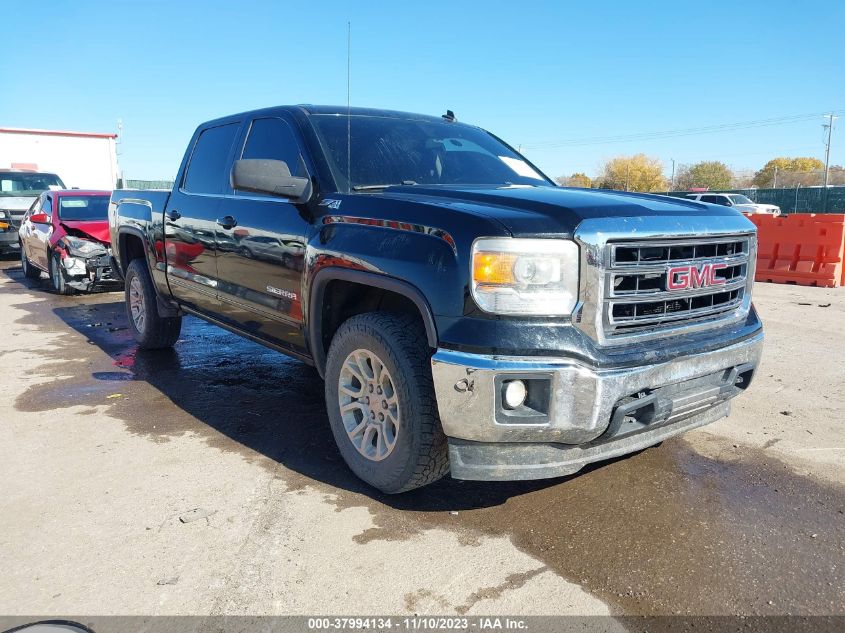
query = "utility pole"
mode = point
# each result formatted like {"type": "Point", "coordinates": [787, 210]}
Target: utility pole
{"type": "Point", "coordinates": [627, 174]}
{"type": "Point", "coordinates": [672, 181]}
{"type": "Point", "coordinates": [775, 184]}
{"type": "Point", "coordinates": [829, 126]}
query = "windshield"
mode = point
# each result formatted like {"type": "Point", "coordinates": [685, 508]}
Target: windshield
{"type": "Point", "coordinates": [738, 199]}
{"type": "Point", "coordinates": [28, 183]}
{"type": "Point", "coordinates": [393, 151]}
{"type": "Point", "coordinates": [82, 208]}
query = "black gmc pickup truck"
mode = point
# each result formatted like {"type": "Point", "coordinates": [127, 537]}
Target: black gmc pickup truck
{"type": "Point", "coordinates": [465, 313]}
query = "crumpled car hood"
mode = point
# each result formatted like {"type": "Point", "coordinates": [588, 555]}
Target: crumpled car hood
{"type": "Point", "coordinates": [97, 230]}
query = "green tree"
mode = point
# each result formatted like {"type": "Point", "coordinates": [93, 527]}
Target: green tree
{"type": "Point", "coordinates": [633, 173]}
{"type": "Point", "coordinates": [710, 174]}
{"type": "Point", "coordinates": [790, 172]}
{"type": "Point", "coordinates": [578, 179]}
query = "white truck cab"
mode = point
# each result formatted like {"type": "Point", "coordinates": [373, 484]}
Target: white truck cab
{"type": "Point", "coordinates": [741, 203]}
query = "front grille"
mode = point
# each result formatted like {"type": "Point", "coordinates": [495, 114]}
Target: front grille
{"type": "Point", "coordinates": [708, 283]}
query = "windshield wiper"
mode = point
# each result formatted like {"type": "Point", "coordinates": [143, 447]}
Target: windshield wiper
{"type": "Point", "coordinates": [377, 187]}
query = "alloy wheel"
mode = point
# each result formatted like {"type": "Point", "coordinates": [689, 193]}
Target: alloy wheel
{"type": "Point", "coordinates": [369, 405]}
{"type": "Point", "coordinates": [137, 305]}
{"type": "Point", "coordinates": [55, 273]}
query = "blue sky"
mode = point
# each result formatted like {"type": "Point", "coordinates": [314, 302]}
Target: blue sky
{"type": "Point", "coordinates": [535, 73]}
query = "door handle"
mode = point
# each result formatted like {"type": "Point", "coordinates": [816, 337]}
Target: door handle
{"type": "Point", "coordinates": [227, 222]}
{"type": "Point", "coordinates": [173, 215]}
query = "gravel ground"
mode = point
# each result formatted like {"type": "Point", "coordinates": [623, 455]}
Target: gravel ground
{"type": "Point", "coordinates": [205, 481]}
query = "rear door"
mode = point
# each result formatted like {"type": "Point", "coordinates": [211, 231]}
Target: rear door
{"type": "Point", "coordinates": [191, 219]}
{"type": "Point", "coordinates": [261, 249]}
{"type": "Point", "coordinates": [39, 233]}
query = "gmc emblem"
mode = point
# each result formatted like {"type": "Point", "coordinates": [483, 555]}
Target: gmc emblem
{"type": "Point", "coordinates": [686, 277]}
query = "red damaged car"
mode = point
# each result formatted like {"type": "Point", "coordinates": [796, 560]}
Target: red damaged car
{"type": "Point", "coordinates": [65, 234]}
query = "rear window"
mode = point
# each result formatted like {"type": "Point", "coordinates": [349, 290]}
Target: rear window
{"type": "Point", "coordinates": [209, 159]}
{"type": "Point", "coordinates": [80, 208]}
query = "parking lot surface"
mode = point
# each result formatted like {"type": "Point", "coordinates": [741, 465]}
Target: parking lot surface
{"type": "Point", "coordinates": [204, 480]}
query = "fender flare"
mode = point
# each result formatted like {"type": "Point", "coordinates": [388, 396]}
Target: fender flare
{"type": "Point", "coordinates": [365, 278]}
{"type": "Point", "coordinates": [130, 230]}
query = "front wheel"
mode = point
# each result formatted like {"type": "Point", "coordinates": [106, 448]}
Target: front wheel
{"type": "Point", "coordinates": [381, 403]}
{"type": "Point", "coordinates": [149, 329]}
{"type": "Point", "coordinates": [57, 277]}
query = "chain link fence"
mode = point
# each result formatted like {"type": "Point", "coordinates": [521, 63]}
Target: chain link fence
{"type": "Point", "coordinates": [792, 199]}
{"type": "Point", "coordinates": [145, 184]}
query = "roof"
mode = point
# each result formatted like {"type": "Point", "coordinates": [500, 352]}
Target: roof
{"type": "Point", "coordinates": [310, 109]}
{"type": "Point", "coordinates": [15, 130]}
{"type": "Point", "coordinates": [79, 192]}
{"type": "Point", "coordinates": [342, 110]}
{"type": "Point", "coordinates": [5, 170]}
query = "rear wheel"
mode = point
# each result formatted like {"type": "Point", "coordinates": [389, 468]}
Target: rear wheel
{"type": "Point", "coordinates": [57, 276]}
{"type": "Point", "coordinates": [381, 403]}
{"type": "Point", "coordinates": [29, 271]}
{"type": "Point", "coordinates": [149, 329]}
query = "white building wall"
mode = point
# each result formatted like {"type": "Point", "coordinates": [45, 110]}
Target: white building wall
{"type": "Point", "coordinates": [87, 162]}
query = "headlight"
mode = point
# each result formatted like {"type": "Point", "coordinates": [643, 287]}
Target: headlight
{"type": "Point", "coordinates": [525, 276]}
{"type": "Point", "coordinates": [79, 246]}
{"type": "Point", "coordinates": [2, 214]}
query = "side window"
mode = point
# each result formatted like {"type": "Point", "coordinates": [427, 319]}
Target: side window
{"type": "Point", "coordinates": [274, 138]}
{"type": "Point", "coordinates": [206, 169]}
{"type": "Point", "coordinates": [710, 199]}
{"type": "Point", "coordinates": [47, 207]}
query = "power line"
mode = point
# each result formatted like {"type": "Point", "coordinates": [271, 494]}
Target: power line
{"type": "Point", "coordinates": [709, 129]}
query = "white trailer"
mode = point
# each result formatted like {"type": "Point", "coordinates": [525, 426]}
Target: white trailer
{"type": "Point", "coordinates": [81, 159]}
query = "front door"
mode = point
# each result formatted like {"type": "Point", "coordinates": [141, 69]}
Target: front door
{"type": "Point", "coordinates": [261, 246]}
{"type": "Point", "coordinates": [191, 220]}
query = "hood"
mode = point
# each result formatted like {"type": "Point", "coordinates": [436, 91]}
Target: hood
{"type": "Point", "coordinates": [18, 204]}
{"type": "Point", "coordinates": [97, 230]}
{"type": "Point", "coordinates": [754, 205]}
{"type": "Point", "coordinates": [553, 210]}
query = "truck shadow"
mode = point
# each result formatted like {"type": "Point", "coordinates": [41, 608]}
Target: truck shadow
{"type": "Point", "coordinates": [246, 398]}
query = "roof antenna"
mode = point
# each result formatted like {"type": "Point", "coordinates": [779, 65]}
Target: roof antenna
{"type": "Point", "coordinates": [348, 108]}
{"type": "Point", "coordinates": [449, 116]}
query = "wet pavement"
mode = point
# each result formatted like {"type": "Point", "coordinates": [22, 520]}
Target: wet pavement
{"type": "Point", "coordinates": [665, 531]}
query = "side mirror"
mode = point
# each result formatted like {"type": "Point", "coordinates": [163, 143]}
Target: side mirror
{"type": "Point", "coordinates": [264, 175]}
{"type": "Point", "coordinates": [39, 218]}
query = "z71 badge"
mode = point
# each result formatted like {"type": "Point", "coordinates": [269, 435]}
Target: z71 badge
{"type": "Point", "coordinates": [331, 204]}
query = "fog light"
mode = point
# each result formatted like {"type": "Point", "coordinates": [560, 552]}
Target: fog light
{"type": "Point", "coordinates": [515, 393]}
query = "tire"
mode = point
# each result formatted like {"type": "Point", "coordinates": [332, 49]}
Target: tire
{"type": "Point", "coordinates": [29, 271]}
{"type": "Point", "coordinates": [150, 330]}
{"type": "Point", "coordinates": [396, 343]}
{"type": "Point", "coordinates": [57, 277]}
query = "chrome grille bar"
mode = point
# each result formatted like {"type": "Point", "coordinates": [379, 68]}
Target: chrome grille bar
{"type": "Point", "coordinates": [637, 296]}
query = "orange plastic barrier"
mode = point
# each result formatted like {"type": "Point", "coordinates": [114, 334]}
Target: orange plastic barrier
{"type": "Point", "coordinates": [803, 248]}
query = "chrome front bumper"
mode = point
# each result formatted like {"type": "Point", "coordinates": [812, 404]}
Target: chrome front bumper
{"type": "Point", "coordinates": [586, 417]}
